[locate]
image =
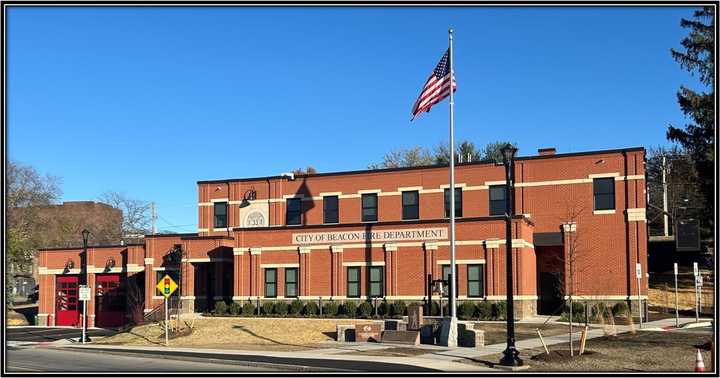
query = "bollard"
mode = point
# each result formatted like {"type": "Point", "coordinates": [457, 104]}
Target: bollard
{"type": "Point", "coordinates": [258, 305]}
{"type": "Point", "coordinates": [320, 305]}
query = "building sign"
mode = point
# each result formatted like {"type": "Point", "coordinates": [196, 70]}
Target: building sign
{"type": "Point", "coordinates": [362, 236]}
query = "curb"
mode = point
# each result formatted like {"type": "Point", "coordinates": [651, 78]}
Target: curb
{"type": "Point", "coordinates": [246, 360]}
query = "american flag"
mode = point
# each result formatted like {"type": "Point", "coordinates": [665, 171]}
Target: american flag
{"type": "Point", "coordinates": [436, 88]}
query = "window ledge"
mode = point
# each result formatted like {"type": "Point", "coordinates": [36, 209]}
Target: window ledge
{"type": "Point", "coordinates": [601, 212]}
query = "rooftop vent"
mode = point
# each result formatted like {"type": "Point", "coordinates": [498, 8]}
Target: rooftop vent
{"type": "Point", "coordinates": [546, 151]}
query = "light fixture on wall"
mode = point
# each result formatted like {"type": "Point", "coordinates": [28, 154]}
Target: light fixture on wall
{"type": "Point", "coordinates": [109, 264]}
{"type": "Point", "coordinates": [68, 265]}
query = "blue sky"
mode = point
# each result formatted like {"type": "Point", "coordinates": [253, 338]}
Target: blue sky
{"type": "Point", "coordinates": [147, 101]}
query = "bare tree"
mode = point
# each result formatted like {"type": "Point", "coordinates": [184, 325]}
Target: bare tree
{"type": "Point", "coordinates": [575, 253]}
{"type": "Point", "coordinates": [136, 217]}
{"type": "Point", "coordinates": [307, 171]}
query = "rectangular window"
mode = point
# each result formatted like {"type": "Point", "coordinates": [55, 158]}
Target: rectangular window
{"type": "Point", "coordinates": [370, 207]}
{"type": "Point", "coordinates": [330, 209]}
{"type": "Point", "coordinates": [604, 193]}
{"type": "Point", "coordinates": [270, 282]}
{"type": "Point", "coordinates": [446, 277]}
{"type": "Point", "coordinates": [353, 282]}
{"type": "Point", "coordinates": [220, 212]}
{"type": "Point", "coordinates": [475, 278]}
{"type": "Point", "coordinates": [498, 196]}
{"type": "Point", "coordinates": [458, 202]}
{"type": "Point", "coordinates": [376, 281]}
{"type": "Point", "coordinates": [293, 214]}
{"type": "Point", "coordinates": [410, 205]}
{"type": "Point", "coordinates": [291, 276]}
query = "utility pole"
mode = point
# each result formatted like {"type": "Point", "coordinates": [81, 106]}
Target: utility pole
{"type": "Point", "coordinates": [665, 206]}
{"type": "Point", "coordinates": [154, 218]}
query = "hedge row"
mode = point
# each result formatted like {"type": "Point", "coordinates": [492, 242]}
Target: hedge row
{"type": "Point", "coordinates": [596, 311]}
{"type": "Point", "coordinates": [356, 309]}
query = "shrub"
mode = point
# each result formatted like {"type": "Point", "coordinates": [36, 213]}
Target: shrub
{"type": "Point", "coordinates": [248, 309]}
{"type": "Point", "coordinates": [235, 308]}
{"type": "Point", "coordinates": [383, 308]}
{"type": "Point", "coordinates": [620, 309]}
{"type": "Point", "coordinates": [485, 310]}
{"type": "Point", "coordinates": [350, 309]}
{"type": "Point", "coordinates": [267, 308]}
{"type": "Point", "coordinates": [330, 309]}
{"type": "Point", "coordinates": [466, 310]}
{"type": "Point", "coordinates": [499, 310]}
{"type": "Point", "coordinates": [398, 308]}
{"type": "Point", "coordinates": [296, 307]}
{"type": "Point", "coordinates": [311, 308]}
{"type": "Point", "coordinates": [434, 308]}
{"type": "Point", "coordinates": [365, 310]}
{"type": "Point", "coordinates": [220, 308]}
{"type": "Point", "coordinates": [281, 308]}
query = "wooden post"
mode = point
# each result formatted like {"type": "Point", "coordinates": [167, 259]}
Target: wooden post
{"type": "Point", "coordinates": [583, 338]}
{"type": "Point", "coordinates": [542, 341]}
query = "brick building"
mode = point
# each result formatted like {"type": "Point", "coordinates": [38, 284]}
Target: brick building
{"type": "Point", "coordinates": [384, 233]}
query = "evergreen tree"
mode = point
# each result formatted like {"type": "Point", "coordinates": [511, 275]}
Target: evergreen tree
{"type": "Point", "coordinates": [697, 138]}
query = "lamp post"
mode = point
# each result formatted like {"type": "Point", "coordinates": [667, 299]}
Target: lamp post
{"type": "Point", "coordinates": [85, 235]}
{"type": "Point", "coordinates": [510, 355]}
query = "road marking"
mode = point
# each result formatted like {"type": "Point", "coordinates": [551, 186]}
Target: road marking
{"type": "Point", "coordinates": [23, 368]}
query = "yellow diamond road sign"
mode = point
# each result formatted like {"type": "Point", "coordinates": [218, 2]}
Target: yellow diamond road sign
{"type": "Point", "coordinates": [167, 286]}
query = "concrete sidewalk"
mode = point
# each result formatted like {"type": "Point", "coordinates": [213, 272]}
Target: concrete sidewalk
{"type": "Point", "coordinates": [340, 356]}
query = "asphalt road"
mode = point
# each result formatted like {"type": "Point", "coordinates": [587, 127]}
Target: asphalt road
{"type": "Point", "coordinates": [40, 334]}
{"type": "Point", "coordinates": [40, 359]}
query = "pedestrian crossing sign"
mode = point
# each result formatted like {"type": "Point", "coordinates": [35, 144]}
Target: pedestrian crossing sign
{"type": "Point", "coordinates": [167, 286]}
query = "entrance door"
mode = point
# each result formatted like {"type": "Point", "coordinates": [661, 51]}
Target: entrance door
{"type": "Point", "coordinates": [109, 301]}
{"type": "Point", "coordinates": [550, 289]}
{"type": "Point", "coordinates": [67, 309]}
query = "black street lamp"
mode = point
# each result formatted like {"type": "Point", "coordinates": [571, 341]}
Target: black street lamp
{"type": "Point", "coordinates": [511, 354]}
{"type": "Point", "coordinates": [85, 235]}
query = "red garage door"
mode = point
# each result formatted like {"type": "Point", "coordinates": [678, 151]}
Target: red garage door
{"type": "Point", "coordinates": [109, 301]}
{"type": "Point", "coordinates": [67, 310]}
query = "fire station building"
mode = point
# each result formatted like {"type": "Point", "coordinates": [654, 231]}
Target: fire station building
{"type": "Point", "coordinates": [579, 228]}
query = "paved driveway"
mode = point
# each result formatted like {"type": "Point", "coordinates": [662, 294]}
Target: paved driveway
{"type": "Point", "coordinates": [48, 334]}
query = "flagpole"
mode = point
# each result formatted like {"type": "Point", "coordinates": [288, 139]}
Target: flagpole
{"type": "Point", "coordinates": [453, 273]}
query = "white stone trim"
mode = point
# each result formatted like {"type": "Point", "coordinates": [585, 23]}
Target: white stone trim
{"type": "Point", "coordinates": [291, 265]}
{"type": "Point", "coordinates": [291, 196]}
{"type": "Point", "coordinates": [391, 247]}
{"type": "Point", "coordinates": [476, 187]}
{"type": "Point", "coordinates": [207, 259]}
{"type": "Point", "coordinates": [603, 212]}
{"type": "Point", "coordinates": [430, 191]}
{"type": "Point", "coordinates": [304, 249]}
{"type": "Point", "coordinates": [149, 261]}
{"type": "Point", "coordinates": [255, 251]}
{"type": "Point", "coordinates": [118, 270]}
{"type": "Point", "coordinates": [187, 297]}
{"type": "Point", "coordinates": [409, 188]}
{"type": "Point", "coordinates": [238, 251]}
{"type": "Point", "coordinates": [552, 182]}
{"type": "Point", "coordinates": [364, 263]}
{"type": "Point", "coordinates": [569, 227]}
{"type": "Point", "coordinates": [46, 271]}
{"type": "Point", "coordinates": [401, 297]}
{"type": "Point", "coordinates": [158, 297]}
{"type": "Point", "coordinates": [222, 229]}
{"type": "Point", "coordinates": [203, 230]}
{"type": "Point", "coordinates": [457, 185]}
{"type": "Point", "coordinates": [462, 262]}
{"type": "Point", "coordinates": [635, 215]}
{"type": "Point", "coordinates": [515, 297]}
{"type": "Point", "coordinates": [492, 243]}
{"type": "Point", "coordinates": [431, 246]}
{"type": "Point", "coordinates": [603, 175]}
{"type": "Point", "coordinates": [325, 194]}
{"type": "Point", "coordinates": [493, 183]}
{"type": "Point", "coordinates": [204, 203]}
{"type": "Point", "coordinates": [606, 297]}
{"type": "Point", "coordinates": [336, 248]}
{"type": "Point", "coordinates": [369, 191]}
{"type": "Point", "coordinates": [219, 200]}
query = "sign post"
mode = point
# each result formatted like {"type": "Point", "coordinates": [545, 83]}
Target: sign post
{"type": "Point", "coordinates": [696, 273]}
{"type": "Point", "coordinates": [677, 315]}
{"type": "Point", "coordinates": [84, 296]}
{"type": "Point", "coordinates": [638, 275]}
{"type": "Point", "coordinates": [167, 286]}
